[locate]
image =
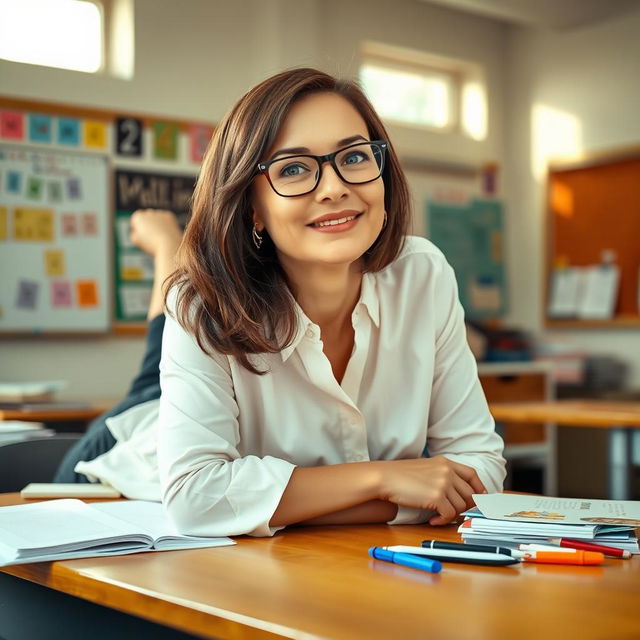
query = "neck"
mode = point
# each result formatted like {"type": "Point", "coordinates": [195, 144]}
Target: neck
{"type": "Point", "coordinates": [327, 294]}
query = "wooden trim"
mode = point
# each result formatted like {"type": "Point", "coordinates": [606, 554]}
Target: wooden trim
{"type": "Point", "coordinates": [109, 115]}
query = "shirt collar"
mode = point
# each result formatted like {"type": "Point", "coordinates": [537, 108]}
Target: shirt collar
{"type": "Point", "coordinates": [368, 299]}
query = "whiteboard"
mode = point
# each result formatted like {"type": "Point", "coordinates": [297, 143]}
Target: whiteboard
{"type": "Point", "coordinates": [54, 241]}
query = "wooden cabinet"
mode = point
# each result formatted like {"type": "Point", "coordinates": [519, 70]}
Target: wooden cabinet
{"type": "Point", "coordinates": [526, 445]}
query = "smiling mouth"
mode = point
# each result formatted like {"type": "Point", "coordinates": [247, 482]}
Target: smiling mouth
{"type": "Point", "coordinates": [333, 223]}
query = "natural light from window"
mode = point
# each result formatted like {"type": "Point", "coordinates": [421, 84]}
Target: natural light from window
{"type": "Point", "coordinates": [416, 98]}
{"type": "Point", "coordinates": [56, 33]}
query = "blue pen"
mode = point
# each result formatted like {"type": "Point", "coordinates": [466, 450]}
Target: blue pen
{"type": "Point", "coordinates": [406, 559]}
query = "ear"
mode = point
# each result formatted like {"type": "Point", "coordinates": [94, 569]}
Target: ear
{"type": "Point", "coordinates": [257, 221]}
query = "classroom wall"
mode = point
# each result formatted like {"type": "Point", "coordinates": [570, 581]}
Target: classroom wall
{"type": "Point", "coordinates": [585, 81]}
{"type": "Point", "coordinates": [194, 59]}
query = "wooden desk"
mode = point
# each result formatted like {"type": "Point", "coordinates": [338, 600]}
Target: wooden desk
{"type": "Point", "coordinates": [621, 419]}
{"type": "Point", "coordinates": [56, 415]}
{"type": "Point", "coordinates": [319, 582]}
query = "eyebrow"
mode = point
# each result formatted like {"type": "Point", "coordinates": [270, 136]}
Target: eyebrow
{"type": "Point", "coordinates": [296, 150]}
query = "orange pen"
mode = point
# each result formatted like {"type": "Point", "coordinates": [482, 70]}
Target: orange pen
{"type": "Point", "coordinates": [560, 557]}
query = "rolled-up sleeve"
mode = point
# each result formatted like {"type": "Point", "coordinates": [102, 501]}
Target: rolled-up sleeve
{"type": "Point", "coordinates": [208, 488]}
{"type": "Point", "coordinates": [460, 424]}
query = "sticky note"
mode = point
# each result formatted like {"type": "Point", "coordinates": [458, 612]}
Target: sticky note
{"type": "Point", "coordinates": [136, 266]}
{"type": "Point", "coordinates": [11, 125]}
{"type": "Point", "coordinates": [68, 132]}
{"type": "Point", "coordinates": [60, 293]}
{"type": "Point", "coordinates": [74, 192]}
{"type": "Point", "coordinates": [3, 223]}
{"type": "Point", "coordinates": [14, 182]}
{"type": "Point", "coordinates": [69, 223]}
{"type": "Point", "coordinates": [87, 293]}
{"type": "Point", "coordinates": [200, 136]}
{"type": "Point", "coordinates": [95, 134]}
{"type": "Point", "coordinates": [33, 225]}
{"type": "Point", "coordinates": [27, 294]}
{"type": "Point", "coordinates": [123, 230]}
{"type": "Point", "coordinates": [54, 191]}
{"type": "Point", "coordinates": [39, 128]}
{"type": "Point", "coordinates": [35, 188]}
{"type": "Point", "coordinates": [134, 300]}
{"type": "Point", "coordinates": [165, 136]}
{"type": "Point", "coordinates": [54, 262]}
{"type": "Point", "coordinates": [89, 224]}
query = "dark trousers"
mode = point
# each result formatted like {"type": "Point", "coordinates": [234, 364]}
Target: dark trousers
{"type": "Point", "coordinates": [146, 386]}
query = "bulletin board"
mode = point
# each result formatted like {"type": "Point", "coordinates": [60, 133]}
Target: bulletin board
{"type": "Point", "coordinates": [593, 205]}
{"type": "Point", "coordinates": [54, 239]}
{"type": "Point", "coordinates": [163, 153]}
{"type": "Point", "coordinates": [471, 237]}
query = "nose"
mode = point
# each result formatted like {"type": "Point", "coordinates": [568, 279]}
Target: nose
{"type": "Point", "coordinates": [331, 186]}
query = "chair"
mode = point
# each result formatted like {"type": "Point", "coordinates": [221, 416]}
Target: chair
{"type": "Point", "coordinates": [34, 460]}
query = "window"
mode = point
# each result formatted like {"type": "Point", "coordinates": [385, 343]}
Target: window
{"type": "Point", "coordinates": [418, 89]}
{"type": "Point", "coordinates": [56, 33]}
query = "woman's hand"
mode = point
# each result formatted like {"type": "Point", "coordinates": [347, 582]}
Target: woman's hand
{"type": "Point", "coordinates": [430, 483]}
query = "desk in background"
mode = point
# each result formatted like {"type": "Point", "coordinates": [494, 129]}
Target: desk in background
{"type": "Point", "coordinates": [318, 582]}
{"type": "Point", "coordinates": [621, 419]}
{"type": "Point", "coordinates": [60, 416]}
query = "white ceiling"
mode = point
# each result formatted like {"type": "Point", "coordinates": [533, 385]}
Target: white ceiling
{"type": "Point", "coordinates": [550, 14]}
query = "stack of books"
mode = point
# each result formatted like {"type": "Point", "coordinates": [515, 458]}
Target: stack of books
{"type": "Point", "coordinates": [18, 430]}
{"type": "Point", "coordinates": [18, 393]}
{"type": "Point", "coordinates": [510, 520]}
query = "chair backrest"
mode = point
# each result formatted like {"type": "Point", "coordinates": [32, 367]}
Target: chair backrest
{"type": "Point", "coordinates": [34, 460]}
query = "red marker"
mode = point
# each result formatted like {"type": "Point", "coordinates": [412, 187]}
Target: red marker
{"type": "Point", "coordinates": [590, 546]}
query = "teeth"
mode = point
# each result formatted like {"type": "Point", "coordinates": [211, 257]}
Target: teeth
{"type": "Point", "coordinates": [331, 223]}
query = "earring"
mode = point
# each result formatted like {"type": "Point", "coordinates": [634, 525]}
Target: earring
{"type": "Point", "coordinates": [257, 238]}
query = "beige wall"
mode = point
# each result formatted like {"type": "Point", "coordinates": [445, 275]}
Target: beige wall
{"type": "Point", "coordinates": [588, 77]}
{"type": "Point", "coordinates": [194, 58]}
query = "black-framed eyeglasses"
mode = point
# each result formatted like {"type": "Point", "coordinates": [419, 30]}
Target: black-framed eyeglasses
{"type": "Point", "coordinates": [300, 174]}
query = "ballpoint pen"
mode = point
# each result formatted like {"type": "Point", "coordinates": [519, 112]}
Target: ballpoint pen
{"type": "Point", "coordinates": [591, 546]}
{"type": "Point", "coordinates": [406, 559]}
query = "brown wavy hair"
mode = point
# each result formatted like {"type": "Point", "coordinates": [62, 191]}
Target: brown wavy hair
{"type": "Point", "coordinates": [234, 298]}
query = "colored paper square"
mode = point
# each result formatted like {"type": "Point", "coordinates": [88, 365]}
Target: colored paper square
{"type": "Point", "coordinates": [165, 136]}
{"type": "Point", "coordinates": [54, 262]}
{"type": "Point", "coordinates": [54, 190]}
{"type": "Point", "coordinates": [69, 224]}
{"type": "Point", "coordinates": [12, 125]}
{"type": "Point", "coordinates": [33, 225]}
{"type": "Point", "coordinates": [95, 134]}
{"type": "Point", "coordinates": [14, 182]}
{"type": "Point", "coordinates": [39, 128]}
{"type": "Point", "coordinates": [27, 294]}
{"type": "Point", "coordinates": [3, 223]}
{"type": "Point", "coordinates": [35, 188]}
{"type": "Point", "coordinates": [129, 137]}
{"type": "Point", "coordinates": [74, 192]}
{"type": "Point", "coordinates": [89, 224]}
{"type": "Point", "coordinates": [200, 136]}
{"type": "Point", "coordinates": [69, 131]}
{"type": "Point", "coordinates": [87, 293]}
{"type": "Point", "coordinates": [61, 293]}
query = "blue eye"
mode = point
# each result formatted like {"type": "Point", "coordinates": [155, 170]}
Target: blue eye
{"type": "Point", "coordinates": [356, 157]}
{"type": "Point", "coordinates": [293, 170]}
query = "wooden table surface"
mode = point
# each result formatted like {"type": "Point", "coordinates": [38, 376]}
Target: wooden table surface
{"type": "Point", "coordinates": [319, 582]}
{"type": "Point", "coordinates": [50, 413]}
{"type": "Point", "coordinates": [583, 413]}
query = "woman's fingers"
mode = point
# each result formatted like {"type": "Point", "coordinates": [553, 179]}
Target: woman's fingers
{"type": "Point", "coordinates": [469, 475]}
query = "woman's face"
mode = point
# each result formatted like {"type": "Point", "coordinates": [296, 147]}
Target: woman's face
{"type": "Point", "coordinates": [319, 124]}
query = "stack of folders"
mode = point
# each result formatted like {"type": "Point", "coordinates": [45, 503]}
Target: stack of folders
{"type": "Point", "coordinates": [18, 430]}
{"type": "Point", "coordinates": [510, 520]}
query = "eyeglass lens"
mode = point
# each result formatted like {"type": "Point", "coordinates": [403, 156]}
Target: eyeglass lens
{"type": "Point", "coordinates": [300, 174]}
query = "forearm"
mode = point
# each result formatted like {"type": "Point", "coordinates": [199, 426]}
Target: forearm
{"type": "Point", "coordinates": [164, 265]}
{"type": "Point", "coordinates": [374, 511]}
{"type": "Point", "coordinates": [348, 491]}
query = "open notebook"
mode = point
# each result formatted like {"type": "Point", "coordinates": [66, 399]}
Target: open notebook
{"type": "Point", "coordinates": [64, 529]}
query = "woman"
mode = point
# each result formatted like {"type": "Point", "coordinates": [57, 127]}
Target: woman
{"type": "Point", "coordinates": [310, 352]}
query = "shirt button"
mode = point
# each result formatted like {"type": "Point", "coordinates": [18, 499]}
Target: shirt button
{"type": "Point", "coordinates": [309, 333]}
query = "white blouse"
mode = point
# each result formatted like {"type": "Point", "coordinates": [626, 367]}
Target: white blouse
{"type": "Point", "coordinates": [228, 440]}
